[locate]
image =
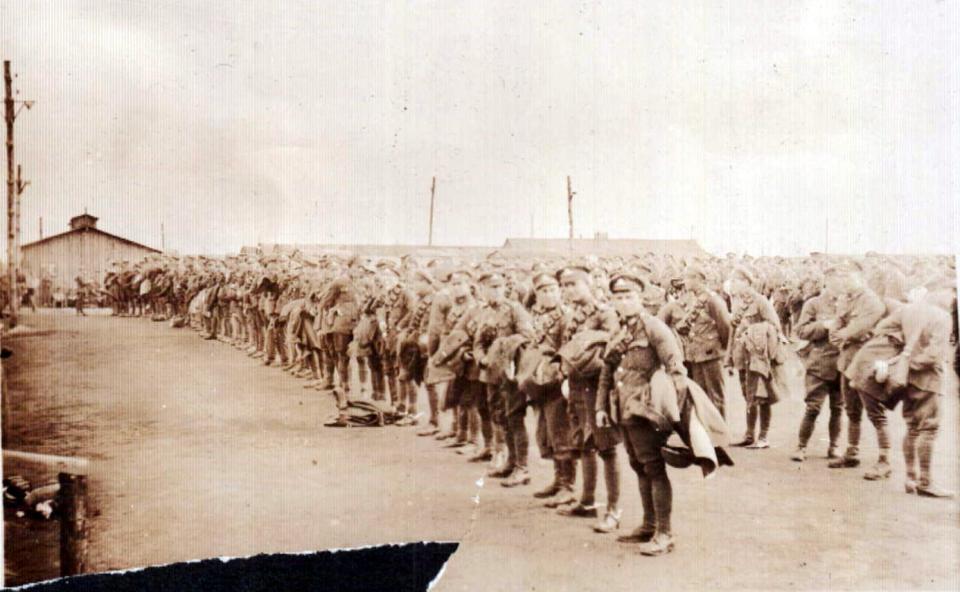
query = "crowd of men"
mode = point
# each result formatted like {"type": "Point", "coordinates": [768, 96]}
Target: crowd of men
{"type": "Point", "coordinates": [614, 354]}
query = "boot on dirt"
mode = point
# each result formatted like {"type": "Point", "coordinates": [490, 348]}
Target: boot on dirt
{"type": "Point", "coordinates": [660, 544]}
{"type": "Point", "coordinates": [609, 523]}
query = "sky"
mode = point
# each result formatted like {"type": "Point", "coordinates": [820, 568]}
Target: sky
{"type": "Point", "coordinates": [760, 126]}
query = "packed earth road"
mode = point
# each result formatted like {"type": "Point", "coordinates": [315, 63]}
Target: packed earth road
{"type": "Point", "coordinates": [200, 451]}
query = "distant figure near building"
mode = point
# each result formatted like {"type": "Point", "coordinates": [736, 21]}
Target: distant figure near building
{"type": "Point", "coordinates": [81, 290]}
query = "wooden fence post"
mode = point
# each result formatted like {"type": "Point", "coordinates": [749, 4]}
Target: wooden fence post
{"type": "Point", "coordinates": [73, 523]}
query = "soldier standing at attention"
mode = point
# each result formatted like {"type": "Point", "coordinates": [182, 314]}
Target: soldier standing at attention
{"type": "Point", "coordinates": [503, 317]}
{"type": "Point", "coordinates": [553, 425]}
{"type": "Point", "coordinates": [755, 350]}
{"type": "Point", "coordinates": [701, 320]}
{"type": "Point", "coordinates": [341, 311]}
{"type": "Point", "coordinates": [589, 440]}
{"type": "Point", "coordinates": [465, 395]}
{"type": "Point", "coordinates": [820, 360]}
{"type": "Point", "coordinates": [858, 312]}
{"type": "Point", "coordinates": [394, 303]}
{"type": "Point", "coordinates": [643, 345]}
{"type": "Point", "coordinates": [412, 347]}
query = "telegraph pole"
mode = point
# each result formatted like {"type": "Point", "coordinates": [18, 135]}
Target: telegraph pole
{"type": "Point", "coordinates": [11, 193]}
{"type": "Point", "coordinates": [570, 194]}
{"type": "Point", "coordinates": [163, 242]}
{"type": "Point", "coordinates": [21, 185]}
{"type": "Point", "coordinates": [433, 191]}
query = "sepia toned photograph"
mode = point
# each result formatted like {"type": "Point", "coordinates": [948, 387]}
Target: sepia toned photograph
{"type": "Point", "coordinates": [454, 296]}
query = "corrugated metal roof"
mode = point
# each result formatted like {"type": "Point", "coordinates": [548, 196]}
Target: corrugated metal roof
{"type": "Point", "coordinates": [90, 229]}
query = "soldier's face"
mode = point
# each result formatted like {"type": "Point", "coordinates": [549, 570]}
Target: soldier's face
{"type": "Point", "coordinates": [738, 287]}
{"type": "Point", "coordinates": [389, 281]}
{"type": "Point", "coordinates": [548, 296]}
{"type": "Point", "coordinates": [627, 303]}
{"type": "Point", "coordinates": [495, 292]}
{"type": "Point", "coordinates": [460, 287]}
{"type": "Point", "coordinates": [693, 282]}
{"type": "Point", "coordinates": [575, 290]}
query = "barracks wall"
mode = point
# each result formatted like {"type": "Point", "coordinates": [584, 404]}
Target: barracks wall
{"type": "Point", "coordinates": [86, 252]}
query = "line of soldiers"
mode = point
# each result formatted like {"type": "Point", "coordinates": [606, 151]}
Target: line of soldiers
{"type": "Point", "coordinates": [607, 351]}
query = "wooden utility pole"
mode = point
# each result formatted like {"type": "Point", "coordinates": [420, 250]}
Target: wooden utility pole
{"type": "Point", "coordinates": [570, 194]}
{"type": "Point", "coordinates": [433, 192]}
{"type": "Point", "coordinates": [163, 242]}
{"type": "Point", "coordinates": [21, 185]}
{"type": "Point", "coordinates": [11, 193]}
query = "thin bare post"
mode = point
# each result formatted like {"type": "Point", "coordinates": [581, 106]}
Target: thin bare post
{"type": "Point", "coordinates": [11, 194]}
{"type": "Point", "coordinates": [570, 194]}
{"type": "Point", "coordinates": [73, 523]}
{"type": "Point", "coordinates": [433, 191]}
{"type": "Point", "coordinates": [21, 185]}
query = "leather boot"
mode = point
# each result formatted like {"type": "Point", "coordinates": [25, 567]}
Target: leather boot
{"type": "Point", "coordinates": [553, 488]}
{"type": "Point", "coordinates": [660, 544]}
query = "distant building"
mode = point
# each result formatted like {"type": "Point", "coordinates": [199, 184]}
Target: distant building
{"type": "Point", "coordinates": [84, 249]}
{"type": "Point", "coordinates": [601, 244]}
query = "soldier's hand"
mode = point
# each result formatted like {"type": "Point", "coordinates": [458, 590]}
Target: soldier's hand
{"type": "Point", "coordinates": [565, 389]}
{"type": "Point", "coordinates": [603, 420]}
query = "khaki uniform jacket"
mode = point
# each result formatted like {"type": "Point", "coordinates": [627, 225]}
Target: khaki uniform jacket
{"type": "Point", "coordinates": [703, 324]}
{"type": "Point", "coordinates": [857, 316]}
{"type": "Point", "coordinates": [819, 355]}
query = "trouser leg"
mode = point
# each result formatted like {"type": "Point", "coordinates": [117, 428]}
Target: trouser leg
{"type": "Point", "coordinates": [643, 443]}
{"type": "Point", "coordinates": [854, 408]}
{"type": "Point", "coordinates": [433, 401]}
{"type": "Point", "coordinates": [519, 436]}
{"type": "Point", "coordinates": [412, 394]}
{"type": "Point", "coordinates": [662, 492]}
{"type": "Point", "coordinates": [878, 417]}
{"type": "Point", "coordinates": [377, 381]}
{"type": "Point", "coordinates": [816, 394]}
{"type": "Point", "coordinates": [611, 478]}
{"type": "Point", "coordinates": [921, 410]}
{"type": "Point", "coordinates": [362, 370]}
{"type": "Point", "coordinates": [588, 464]}
{"type": "Point", "coordinates": [709, 375]}
{"type": "Point", "coordinates": [836, 413]}
{"type": "Point", "coordinates": [766, 414]}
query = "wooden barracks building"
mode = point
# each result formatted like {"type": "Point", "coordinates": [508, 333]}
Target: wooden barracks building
{"type": "Point", "coordinates": [83, 250]}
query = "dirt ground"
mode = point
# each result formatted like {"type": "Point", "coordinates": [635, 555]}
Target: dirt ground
{"type": "Point", "coordinates": [200, 451]}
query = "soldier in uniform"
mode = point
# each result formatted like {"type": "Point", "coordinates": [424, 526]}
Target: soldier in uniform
{"type": "Point", "coordinates": [81, 292]}
{"type": "Point", "coordinates": [503, 317]}
{"type": "Point", "coordinates": [699, 316]}
{"type": "Point", "coordinates": [588, 439]}
{"type": "Point", "coordinates": [755, 351]}
{"type": "Point", "coordinates": [393, 303]}
{"type": "Point", "coordinates": [553, 425]}
{"type": "Point", "coordinates": [412, 347]}
{"type": "Point", "coordinates": [641, 346]}
{"type": "Point", "coordinates": [340, 308]}
{"type": "Point", "coordinates": [906, 360]}
{"type": "Point", "coordinates": [858, 312]}
{"type": "Point", "coordinates": [820, 360]}
{"type": "Point", "coordinates": [464, 395]}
